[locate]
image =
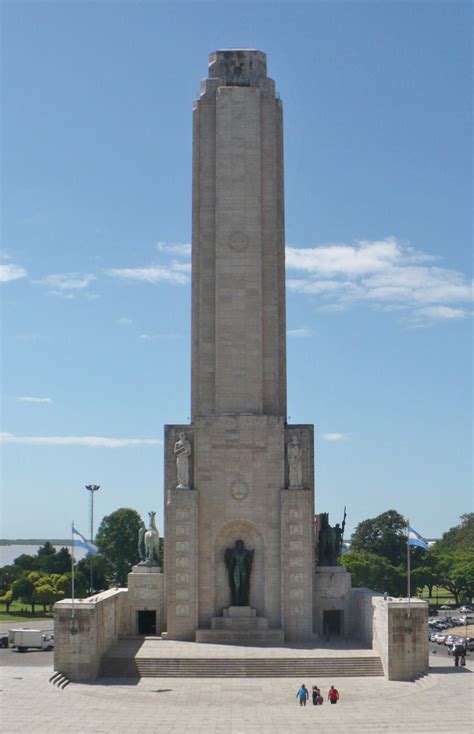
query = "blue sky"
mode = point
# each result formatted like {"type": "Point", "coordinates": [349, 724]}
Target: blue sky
{"type": "Point", "coordinates": [96, 154]}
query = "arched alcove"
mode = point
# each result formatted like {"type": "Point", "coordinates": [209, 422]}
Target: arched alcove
{"type": "Point", "coordinates": [254, 540]}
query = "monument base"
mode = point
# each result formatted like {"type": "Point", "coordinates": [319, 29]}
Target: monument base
{"type": "Point", "coordinates": [146, 599]}
{"type": "Point", "coordinates": [332, 601]}
{"type": "Point", "coordinates": [240, 625]}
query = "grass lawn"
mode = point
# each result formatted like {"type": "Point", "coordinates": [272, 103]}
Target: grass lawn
{"type": "Point", "coordinates": [21, 612]}
{"type": "Point", "coordinates": [441, 596]}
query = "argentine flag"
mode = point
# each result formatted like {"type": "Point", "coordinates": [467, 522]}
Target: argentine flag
{"type": "Point", "coordinates": [78, 541]}
{"type": "Point", "coordinates": [415, 538]}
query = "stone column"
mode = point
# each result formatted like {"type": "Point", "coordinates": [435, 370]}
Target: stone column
{"type": "Point", "coordinates": [297, 563]}
{"type": "Point", "coordinates": [238, 280]}
{"type": "Point", "coordinates": [181, 563]}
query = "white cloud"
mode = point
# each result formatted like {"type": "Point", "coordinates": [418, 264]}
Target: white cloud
{"type": "Point", "coordinates": [30, 337]}
{"type": "Point", "coordinates": [11, 272]}
{"type": "Point", "coordinates": [124, 321]}
{"type": "Point", "coordinates": [153, 274]}
{"type": "Point", "coordinates": [181, 267]}
{"type": "Point", "coordinates": [178, 249]}
{"type": "Point", "coordinates": [334, 436]}
{"type": "Point", "coordinates": [385, 273]}
{"type": "Point", "coordinates": [302, 332]}
{"type": "Point", "coordinates": [155, 337]}
{"type": "Point", "coordinates": [92, 441]}
{"type": "Point", "coordinates": [31, 399]}
{"type": "Point", "coordinates": [66, 284]}
{"type": "Point", "coordinates": [442, 312]}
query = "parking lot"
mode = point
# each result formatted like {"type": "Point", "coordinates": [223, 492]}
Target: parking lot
{"type": "Point", "coordinates": [451, 627]}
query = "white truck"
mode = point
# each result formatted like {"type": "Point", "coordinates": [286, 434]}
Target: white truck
{"type": "Point", "coordinates": [23, 639]}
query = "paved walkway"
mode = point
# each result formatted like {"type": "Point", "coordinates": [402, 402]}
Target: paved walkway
{"type": "Point", "coordinates": [439, 702]}
{"type": "Point", "coordinates": [152, 647]}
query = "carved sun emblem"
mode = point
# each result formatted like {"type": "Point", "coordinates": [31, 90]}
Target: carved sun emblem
{"type": "Point", "coordinates": [239, 489]}
{"type": "Point", "coordinates": [238, 241]}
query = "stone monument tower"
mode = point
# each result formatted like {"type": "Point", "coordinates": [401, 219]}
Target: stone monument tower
{"type": "Point", "coordinates": [238, 472]}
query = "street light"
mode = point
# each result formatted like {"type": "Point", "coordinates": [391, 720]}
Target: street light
{"type": "Point", "coordinates": [91, 489]}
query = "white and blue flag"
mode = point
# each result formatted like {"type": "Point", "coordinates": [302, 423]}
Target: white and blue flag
{"type": "Point", "coordinates": [78, 541]}
{"type": "Point", "coordinates": [416, 539]}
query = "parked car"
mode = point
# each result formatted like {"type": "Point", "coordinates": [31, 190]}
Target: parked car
{"type": "Point", "coordinates": [470, 644]}
{"type": "Point", "coordinates": [440, 638]}
{"type": "Point", "coordinates": [452, 640]}
{"type": "Point", "coordinates": [466, 609]}
{"type": "Point", "coordinates": [3, 640]}
{"type": "Point", "coordinates": [445, 606]}
{"type": "Point", "coordinates": [433, 636]}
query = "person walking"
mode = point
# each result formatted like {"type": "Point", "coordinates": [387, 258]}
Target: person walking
{"type": "Point", "coordinates": [333, 695]}
{"type": "Point", "coordinates": [317, 699]}
{"type": "Point", "coordinates": [303, 695]}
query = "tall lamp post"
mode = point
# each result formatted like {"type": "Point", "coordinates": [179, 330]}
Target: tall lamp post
{"type": "Point", "coordinates": [91, 489]}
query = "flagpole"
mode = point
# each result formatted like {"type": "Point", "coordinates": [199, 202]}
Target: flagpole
{"type": "Point", "coordinates": [408, 573]}
{"type": "Point", "coordinates": [72, 571]}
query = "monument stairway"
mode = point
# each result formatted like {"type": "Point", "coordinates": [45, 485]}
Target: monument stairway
{"type": "Point", "coordinates": [117, 663]}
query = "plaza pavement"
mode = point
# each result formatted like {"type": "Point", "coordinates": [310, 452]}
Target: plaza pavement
{"type": "Point", "coordinates": [440, 702]}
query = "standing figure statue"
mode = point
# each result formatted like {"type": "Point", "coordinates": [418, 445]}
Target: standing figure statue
{"type": "Point", "coordinates": [152, 542]}
{"type": "Point", "coordinates": [182, 451]}
{"type": "Point", "coordinates": [295, 471]}
{"type": "Point", "coordinates": [326, 542]}
{"type": "Point", "coordinates": [330, 540]}
{"type": "Point", "coordinates": [141, 542]}
{"type": "Point", "coordinates": [339, 533]}
{"type": "Point", "coordinates": [239, 566]}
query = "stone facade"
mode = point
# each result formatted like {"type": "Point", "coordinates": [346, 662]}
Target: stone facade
{"type": "Point", "coordinates": [332, 593]}
{"type": "Point", "coordinates": [396, 629]}
{"type": "Point", "coordinates": [146, 594]}
{"type": "Point", "coordinates": [238, 471]}
{"type": "Point", "coordinates": [239, 476]}
{"type": "Point", "coordinates": [97, 622]}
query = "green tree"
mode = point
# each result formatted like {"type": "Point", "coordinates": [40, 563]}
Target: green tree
{"type": "Point", "coordinates": [384, 535]}
{"type": "Point", "coordinates": [100, 573]}
{"type": "Point", "coordinates": [457, 574]}
{"type": "Point", "coordinates": [426, 575]}
{"type": "Point", "coordinates": [50, 589]}
{"type": "Point", "coordinates": [62, 561]}
{"type": "Point", "coordinates": [24, 589]}
{"type": "Point", "coordinates": [7, 599]}
{"type": "Point", "coordinates": [458, 538]}
{"type": "Point", "coordinates": [9, 574]}
{"type": "Point", "coordinates": [45, 557]}
{"type": "Point", "coordinates": [117, 540]}
{"type": "Point", "coordinates": [26, 562]}
{"type": "Point", "coordinates": [375, 572]}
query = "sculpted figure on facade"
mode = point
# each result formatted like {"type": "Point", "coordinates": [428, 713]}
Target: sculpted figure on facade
{"type": "Point", "coordinates": [239, 566]}
{"type": "Point", "coordinates": [149, 543]}
{"type": "Point", "coordinates": [141, 542]}
{"type": "Point", "coordinates": [182, 452]}
{"type": "Point", "coordinates": [295, 469]}
{"type": "Point", "coordinates": [330, 541]}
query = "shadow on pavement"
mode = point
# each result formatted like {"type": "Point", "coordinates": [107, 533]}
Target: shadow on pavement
{"type": "Point", "coordinates": [448, 669]}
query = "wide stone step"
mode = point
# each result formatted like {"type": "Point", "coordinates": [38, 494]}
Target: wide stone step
{"type": "Point", "coordinates": [240, 636]}
{"type": "Point", "coordinates": [239, 623]}
{"type": "Point", "coordinates": [114, 667]}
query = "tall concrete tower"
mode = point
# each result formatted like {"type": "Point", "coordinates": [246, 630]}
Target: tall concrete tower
{"type": "Point", "coordinates": [238, 472]}
{"type": "Point", "coordinates": [238, 356]}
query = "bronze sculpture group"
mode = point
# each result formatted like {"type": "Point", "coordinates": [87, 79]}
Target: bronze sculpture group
{"type": "Point", "coordinates": [330, 540]}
